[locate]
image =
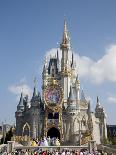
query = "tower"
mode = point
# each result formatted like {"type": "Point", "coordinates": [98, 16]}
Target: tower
{"type": "Point", "coordinates": [52, 98]}
{"type": "Point", "coordinates": [19, 115]}
{"type": "Point", "coordinates": [65, 64]}
{"type": "Point", "coordinates": [100, 113]}
{"type": "Point", "coordinates": [35, 102]}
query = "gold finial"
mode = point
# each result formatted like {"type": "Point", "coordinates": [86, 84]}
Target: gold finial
{"type": "Point", "coordinates": [66, 40]}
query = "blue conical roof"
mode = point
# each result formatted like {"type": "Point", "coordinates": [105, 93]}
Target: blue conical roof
{"type": "Point", "coordinates": [83, 96]}
{"type": "Point", "coordinates": [20, 105]}
{"type": "Point", "coordinates": [72, 99]}
{"type": "Point", "coordinates": [35, 92]}
{"type": "Point", "coordinates": [71, 94]}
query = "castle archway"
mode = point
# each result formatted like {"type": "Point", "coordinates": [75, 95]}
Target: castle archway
{"type": "Point", "coordinates": [26, 130]}
{"type": "Point", "coordinates": [53, 132]}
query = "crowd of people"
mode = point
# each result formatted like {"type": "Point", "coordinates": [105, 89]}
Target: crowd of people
{"type": "Point", "coordinates": [60, 152]}
{"type": "Point", "coordinates": [57, 151]}
{"type": "Point", "coordinates": [46, 148]}
{"type": "Point", "coordinates": [46, 141]}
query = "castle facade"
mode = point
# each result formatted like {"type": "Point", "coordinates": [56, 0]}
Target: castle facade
{"type": "Point", "coordinates": [62, 110]}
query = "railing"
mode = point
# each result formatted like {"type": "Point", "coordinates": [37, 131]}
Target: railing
{"type": "Point", "coordinates": [13, 147]}
{"type": "Point", "coordinates": [31, 150]}
{"type": "Point", "coordinates": [53, 147]}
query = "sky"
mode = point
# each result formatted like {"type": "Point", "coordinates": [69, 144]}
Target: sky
{"type": "Point", "coordinates": [31, 28]}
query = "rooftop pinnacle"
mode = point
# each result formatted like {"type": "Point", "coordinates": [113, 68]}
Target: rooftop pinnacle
{"type": "Point", "coordinates": [65, 40]}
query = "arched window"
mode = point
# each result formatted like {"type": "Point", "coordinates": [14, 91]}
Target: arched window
{"type": "Point", "coordinates": [26, 130]}
{"type": "Point", "coordinates": [56, 116]}
{"type": "Point", "coordinates": [50, 115]}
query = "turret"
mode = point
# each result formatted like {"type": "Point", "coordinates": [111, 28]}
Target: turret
{"type": "Point", "coordinates": [89, 111]}
{"type": "Point", "coordinates": [19, 115]}
{"type": "Point", "coordinates": [45, 73]}
{"type": "Point", "coordinates": [90, 122]}
{"type": "Point", "coordinates": [78, 90]}
{"type": "Point", "coordinates": [26, 102]}
{"type": "Point", "coordinates": [65, 40]}
{"type": "Point", "coordinates": [40, 101]}
{"type": "Point", "coordinates": [73, 70]}
{"type": "Point", "coordinates": [99, 110]}
{"type": "Point", "coordinates": [65, 47]}
{"type": "Point", "coordinates": [83, 99]}
{"type": "Point", "coordinates": [58, 61]}
{"type": "Point", "coordinates": [53, 68]}
{"type": "Point", "coordinates": [45, 68]}
{"type": "Point", "coordinates": [20, 106]}
{"type": "Point", "coordinates": [98, 105]}
{"type": "Point", "coordinates": [100, 113]}
{"type": "Point", "coordinates": [72, 63]}
{"type": "Point", "coordinates": [72, 99]}
{"type": "Point", "coordinates": [65, 64]}
{"type": "Point", "coordinates": [35, 97]}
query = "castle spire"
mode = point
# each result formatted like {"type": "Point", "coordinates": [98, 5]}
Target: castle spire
{"type": "Point", "coordinates": [65, 40]}
{"type": "Point", "coordinates": [89, 108]}
{"type": "Point", "coordinates": [21, 105]}
{"type": "Point", "coordinates": [78, 90]}
{"type": "Point", "coordinates": [72, 63]}
{"type": "Point", "coordinates": [35, 87]}
{"type": "Point", "coordinates": [98, 103]}
{"type": "Point", "coordinates": [83, 96]}
{"type": "Point", "coordinates": [97, 99]}
{"type": "Point", "coordinates": [77, 82]}
{"type": "Point", "coordinates": [58, 60]}
{"type": "Point", "coordinates": [72, 98]}
{"type": "Point", "coordinates": [57, 54]}
{"type": "Point", "coordinates": [72, 59]}
{"type": "Point", "coordinates": [71, 94]}
{"type": "Point", "coordinates": [45, 68]}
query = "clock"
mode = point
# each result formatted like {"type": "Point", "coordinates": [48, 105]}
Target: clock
{"type": "Point", "coordinates": [53, 95]}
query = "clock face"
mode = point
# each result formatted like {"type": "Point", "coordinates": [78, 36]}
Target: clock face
{"type": "Point", "coordinates": [53, 95]}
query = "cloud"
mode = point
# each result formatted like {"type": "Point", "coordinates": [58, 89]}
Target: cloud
{"type": "Point", "coordinates": [88, 98]}
{"type": "Point", "coordinates": [95, 71]}
{"type": "Point", "coordinates": [112, 99]}
{"type": "Point", "coordinates": [16, 89]}
{"type": "Point", "coordinates": [104, 69]}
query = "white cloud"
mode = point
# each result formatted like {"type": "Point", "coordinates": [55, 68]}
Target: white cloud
{"type": "Point", "coordinates": [83, 64]}
{"type": "Point", "coordinates": [21, 87]}
{"type": "Point", "coordinates": [88, 98]}
{"type": "Point", "coordinates": [95, 71]}
{"type": "Point", "coordinates": [104, 69]}
{"type": "Point", "coordinates": [112, 99]}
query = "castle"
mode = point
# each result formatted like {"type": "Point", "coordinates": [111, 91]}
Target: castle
{"type": "Point", "coordinates": [62, 110]}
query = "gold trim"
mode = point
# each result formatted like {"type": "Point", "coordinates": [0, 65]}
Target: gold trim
{"type": "Point", "coordinates": [53, 84]}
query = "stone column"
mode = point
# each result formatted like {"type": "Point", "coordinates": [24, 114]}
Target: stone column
{"type": "Point", "coordinates": [10, 146]}
{"type": "Point", "coordinates": [92, 145]}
